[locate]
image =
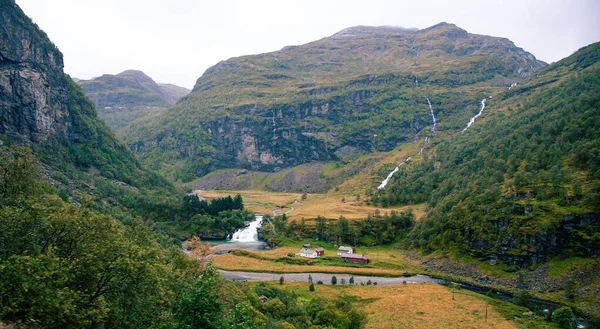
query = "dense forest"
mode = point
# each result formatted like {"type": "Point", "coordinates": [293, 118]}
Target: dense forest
{"type": "Point", "coordinates": [376, 229]}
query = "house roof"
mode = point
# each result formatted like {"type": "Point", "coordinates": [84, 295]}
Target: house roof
{"type": "Point", "coordinates": [357, 256]}
{"type": "Point", "coordinates": [342, 248]}
{"type": "Point", "coordinates": [319, 249]}
{"type": "Point", "coordinates": [307, 251]}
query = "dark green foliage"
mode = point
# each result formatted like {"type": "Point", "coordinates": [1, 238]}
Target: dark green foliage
{"type": "Point", "coordinates": [564, 317]}
{"type": "Point", "coordinates": [376, 229]}
{"type": "Point", "coordinates": [282, 307]}
{"type": "Point", "coordinates": [570, 286]}
{"type": "Point", "coordinates": [200, 307]}
{"type": "Point", "coordinates": [281, 280]}
{"type": "Point", "coordinates": [333, 280]}
{"type": "Point", "coordinates": [311, 287]}
{"type": "Point", "coordinates": [20, 176]}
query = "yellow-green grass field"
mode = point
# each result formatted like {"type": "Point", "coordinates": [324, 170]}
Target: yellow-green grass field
{"type": "Point", "coordinates": [330, 205]}
{"type": "Point", "coordinates": [385, 261]}
{"type": "Point", "coordinates": [423, 306]}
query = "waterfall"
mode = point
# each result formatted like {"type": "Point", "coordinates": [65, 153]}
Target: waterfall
{"type": "Point", "coordinates": [389, 176]}
{"type": "Point", "coordinates": [432, 115]}
{"type": "Point", "coordinates": [416, 81]}
{"type": "Point", "coordinates": [472, 121]}
{"type": "Point", "coordinates": [424, 144]}
{"type": "Point", "coordinates": [249, 233]}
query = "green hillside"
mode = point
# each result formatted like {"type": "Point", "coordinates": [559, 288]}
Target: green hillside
{"type": "Point", "coordinates": [523, 185]}
{"type": "Point", "coordinates": [362, 90]}
{"type": "Point", "coordinates": [129, 95]}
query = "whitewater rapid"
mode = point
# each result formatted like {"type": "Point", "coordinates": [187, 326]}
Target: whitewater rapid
{"type": "Point", "coordinates": [249, 233]}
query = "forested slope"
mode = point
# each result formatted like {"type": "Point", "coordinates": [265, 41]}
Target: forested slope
{"type": "Point", "coordinates": [523, 185]}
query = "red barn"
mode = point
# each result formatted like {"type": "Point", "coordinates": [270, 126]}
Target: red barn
{"type": "Point", "coordinates": [355, 258]}
{"type": "Point", "coordinates": [320, 251]}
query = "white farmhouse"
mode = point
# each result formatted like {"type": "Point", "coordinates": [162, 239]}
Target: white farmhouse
{"type": "Point", "coordinates": [308, 253]}
{"type": "Point", "coordinates": [342, 251]}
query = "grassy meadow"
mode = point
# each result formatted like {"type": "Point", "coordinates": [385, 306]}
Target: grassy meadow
{"type": "Point", "coordinates": [422, 306]}
{"type": "Point", "coordinates": [330, 205]}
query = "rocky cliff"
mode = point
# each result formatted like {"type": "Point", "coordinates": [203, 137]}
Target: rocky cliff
{"type": "Point", "coordinates": [33, 88]}
{"type": "Point", "coordinates": [362, 90]}
{"type": "Point", "coordinates": [42, 107]}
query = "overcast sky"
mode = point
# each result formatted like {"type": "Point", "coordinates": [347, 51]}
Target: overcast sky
{"type": "Point", "coordinates": [175, 41]}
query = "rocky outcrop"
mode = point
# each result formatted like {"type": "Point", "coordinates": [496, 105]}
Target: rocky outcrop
{"type": "Point", "coordinates": [517, 249]}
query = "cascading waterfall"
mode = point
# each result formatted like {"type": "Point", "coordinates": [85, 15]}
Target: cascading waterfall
{"type": "Point", "coordinates": [416, 81]}
{"type": "Point", "coordinates": [432, 115]}
{"type": "Point", "coordinates": [249, 233]}
{"type": "Point", "coordinates": [472, 121]}
{"type": "Point", "coordinates": [389, 176]}
{"type": "Point", "coordinates": [424, 145]}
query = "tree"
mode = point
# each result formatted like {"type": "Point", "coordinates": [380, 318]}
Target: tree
{"type": "Point", "coordinates": [281, 279]}
{"type": "Point", "coordinates": [563, 316]}
{"type": "Point", "coordinates": [570, 287]}
{"type": "Point", "coordinates": [351, 281]}
{"type": "Point", "coordinates": [20, 174]}
{"type": "Point", "coordinates": [310, 279]}
{"type": "Point", "coordinates": [333, 280]}
{"type": "Point", "coordinates": [311, 287]}
{"type": "Point", "coordinates": [198, 249]}
{"type": "Point", "coordinates": [199, 306]}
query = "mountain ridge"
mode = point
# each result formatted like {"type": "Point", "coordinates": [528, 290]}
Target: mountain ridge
{"type": "Point", "coordinates": [277, 110]}
{"type": "Point", "coordinates": [124, 97]}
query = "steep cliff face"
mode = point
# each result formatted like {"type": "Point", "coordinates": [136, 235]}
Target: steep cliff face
{"type": "Point", "coordinates": [32, 84]}
{"type": "Point", "coordinates": [42, 107]}
{"type": "Point", "coordinates": [364, 89]}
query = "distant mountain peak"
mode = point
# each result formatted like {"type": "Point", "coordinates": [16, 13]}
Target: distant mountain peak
{"type": "Point", "coordinates": [363, 30]}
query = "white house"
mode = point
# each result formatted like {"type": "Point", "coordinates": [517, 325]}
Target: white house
{"type": "Point", "coordinates": [342, 250]}
{"type": "Point", "coordinates": [308, 253]}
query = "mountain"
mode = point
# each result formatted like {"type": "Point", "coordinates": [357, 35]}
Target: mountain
{"type": "Point", "coordinates": [522, 186]}
{"type": "Point", "coordinates": [129, 95]}
{"type": "Point", "coordinates": [42, 108]}
{"type": "Point", "coordinates": [362, 90]}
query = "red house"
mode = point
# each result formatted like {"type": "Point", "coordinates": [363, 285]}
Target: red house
{"type": "Point", "coordinates": [320, 251]}
{"type": "Point", "coordinates": [355, 258]}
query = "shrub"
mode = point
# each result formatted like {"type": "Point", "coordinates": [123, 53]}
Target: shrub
{"type": "Point", "coordinates": [563, 316]}
{"type": "Point", "coordinates": [333, 280]}
{"type": "Point", "coordinates": [311, 287]}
